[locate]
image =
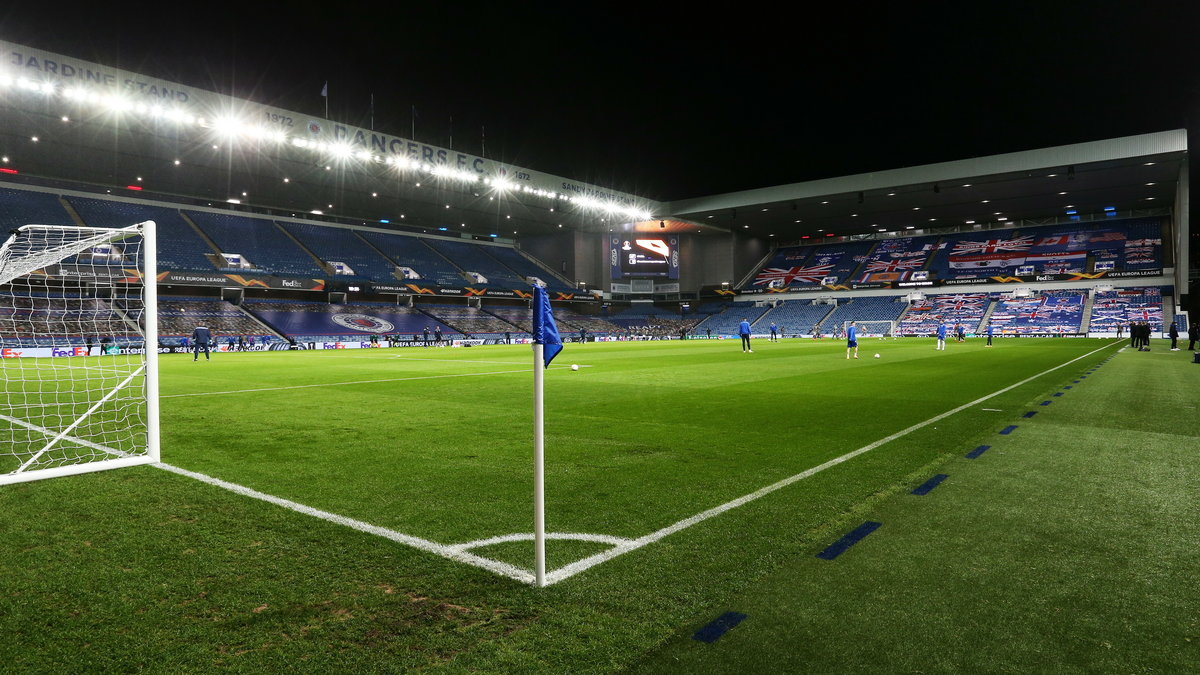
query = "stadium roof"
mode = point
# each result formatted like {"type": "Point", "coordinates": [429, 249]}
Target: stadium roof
{"type": "Point", "coordinates": [1118, 176]}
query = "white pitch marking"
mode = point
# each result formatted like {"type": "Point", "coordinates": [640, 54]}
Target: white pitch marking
{"type": "Point", "coordinates": [621, 546]}
{"type": "Point", "coordinates": [451, 552]}
{"type": "Point", "coordinates": [991, 409]}
{"type": "Point", "coordinates": [499, 363]}
{"type": "Point", "coordinates": [340, 384]}
{"type": "Point", "coordinates": [587, 563]}
{"type": "Point", "coordinates": [528, 536]}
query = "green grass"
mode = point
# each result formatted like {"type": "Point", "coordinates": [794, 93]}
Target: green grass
{"type": "Point", "coordinates": [140, 569]}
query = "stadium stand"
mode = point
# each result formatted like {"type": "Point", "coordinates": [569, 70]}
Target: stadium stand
{"type": "Point", "coordinates": [786, 268]}
{"type": "Point", "coordinates": [896, 259]}
{"type": "Point", "coordinates": [23, 207]}
{"type": "Point", "coordinates": [320, 322]}
{"type": "Point", "coordinates": [796, 317]}
{"type": "Point", "coordinates": [472, 258]}
{"type": "Point", "coordinates": [470, 320]}
{"type": "Point", "coordinates": [521, 317]}
{"type": "Point", "coordinates": [650, 321]}
{"type": "Point", "coordinates": [412, 252]}
{"type": "Point", "coordinates": [179, 247]}
{"type": "Point", "coordinates": [263, 244]}
{"type": "Point", "coordinates": [863, 309]}
{"type": "Point", "coordinates": [924, 316]}
{"type": "Point", "coordinates": [338, 244]}
{"type": "Point", "coordinates": [1053, 312]}
{"type": "Point", "coordinates": [179, 316]}
{"type": "Point", "coordinates": [592, 324]}
{"type": "Point", "coordinates": [726, 323]}
{"type": "Point", "coordinates": [1130, 244]}
{"type": "Point", "coordinates": [523, 267]}
{"type": "Point", "coordinates": [51, 321]}
{"type": "Point", "coordinates": [1126, 305]}
{"type": "Point", "coordinates": [807, 266]}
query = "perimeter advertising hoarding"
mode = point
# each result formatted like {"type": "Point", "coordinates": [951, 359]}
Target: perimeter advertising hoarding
{"type": "Point", "coordinates": [114, 274]}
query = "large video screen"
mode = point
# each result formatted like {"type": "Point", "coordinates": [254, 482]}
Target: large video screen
{"type": "Point", "coordinates": [635, 255]}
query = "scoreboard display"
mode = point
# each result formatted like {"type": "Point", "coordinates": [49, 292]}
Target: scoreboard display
{"type": "Point", "coordinates": [636, 256]}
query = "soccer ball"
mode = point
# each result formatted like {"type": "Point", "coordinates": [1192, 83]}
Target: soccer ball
{"type": "Point", "coordinates": [876, 356]}
{"type": "Point", "coordinates": [574, 366]}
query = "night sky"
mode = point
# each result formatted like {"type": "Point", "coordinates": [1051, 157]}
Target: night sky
{"type": "Point", "coordinates": [668, 104]}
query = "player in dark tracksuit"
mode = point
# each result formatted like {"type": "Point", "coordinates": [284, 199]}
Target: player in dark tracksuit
{"type": "Point", "coordinates": [200, 339]}
{"type": "Point", "coordinates": [744, 332]}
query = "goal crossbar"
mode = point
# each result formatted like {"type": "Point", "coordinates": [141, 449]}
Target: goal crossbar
{"type": "Point", "coordinates": [64, 290]}
{"type": "Point", "coordinates": [81, 240]}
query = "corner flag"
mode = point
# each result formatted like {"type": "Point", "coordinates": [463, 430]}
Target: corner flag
{"type": "Point", "coordinates": [545, 332]}
{"type": "Point", "coordinates": [546, 345]}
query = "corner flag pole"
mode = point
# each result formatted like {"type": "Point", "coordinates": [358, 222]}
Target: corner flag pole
{"type": "Point", "coordinates": [546, 345]}
{"type": "Point", "coordinates": [539, 467]}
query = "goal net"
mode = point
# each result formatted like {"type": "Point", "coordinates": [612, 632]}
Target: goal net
{"type": "Point", "coordinates": [79, 348]}
{"type": "Point", "coordinates": [879, 329]}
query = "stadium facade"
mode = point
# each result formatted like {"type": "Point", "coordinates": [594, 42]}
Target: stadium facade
{"type": "Point", "coordinates": [260, 204]}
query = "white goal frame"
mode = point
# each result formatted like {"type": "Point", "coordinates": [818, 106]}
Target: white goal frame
{"type": "Point", "coordinates": [881, 329]}
{"type": "Point", "coordinates": [29, 254]}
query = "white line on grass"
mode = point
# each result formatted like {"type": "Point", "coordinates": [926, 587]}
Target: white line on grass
{"type": "Point", "coordinates": [417, 358]}
{"type": "Point", "coordinates": [621, 546]}
{"type": "Point", "coordinates": [587, 563]}
{"type": "Point", "coordinates": [451, 552]}
{"type": "Point", "coordinates": [342, 384]}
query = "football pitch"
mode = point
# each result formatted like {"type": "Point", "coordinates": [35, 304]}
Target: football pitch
{"type": "Point", "coordinates": [372, 509]}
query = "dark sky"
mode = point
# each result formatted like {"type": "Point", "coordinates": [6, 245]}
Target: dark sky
{"type": "Point", "coordinates": [676, 103]}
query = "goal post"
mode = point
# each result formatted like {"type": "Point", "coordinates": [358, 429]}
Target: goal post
{"type": "Point", "coordinates": [879, 329]}
{"type": "Point", "coordinates": [78, 350]}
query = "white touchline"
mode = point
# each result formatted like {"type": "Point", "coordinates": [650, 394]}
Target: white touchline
{"type": "Point", "coordinates": [587, 563]}
{"type": "Point", "coordinates": [621, 545]}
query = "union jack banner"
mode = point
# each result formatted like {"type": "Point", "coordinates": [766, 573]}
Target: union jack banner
{"type": "Point", "coordinates": [992, 246]}
{"type": "Point", "coordinates": [894, 265]}
{"type": "Point", "coordinates": [960, 306]}
{"type": "Point", "coordinates": [790, 275]}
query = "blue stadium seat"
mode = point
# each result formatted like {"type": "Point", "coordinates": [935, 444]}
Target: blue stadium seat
{"type": "Point", "coordinates": [262, 243]}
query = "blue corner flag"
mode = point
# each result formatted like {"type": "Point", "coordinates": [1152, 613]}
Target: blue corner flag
{"type": "Point", "coordinates": [545, 332]}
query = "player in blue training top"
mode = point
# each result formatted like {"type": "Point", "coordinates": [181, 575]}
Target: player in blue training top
{"type": "Point", "coordinates": [774, 332]}
{"type": "Point", "coordinates": [989, 334]}
{"type": "Point", "coordinates": [852, 340]}
{"type": "Point", "coordinates": [744, 331]}
{"type": "Point", "coordinates": [941, 334]}
{"type": "Point", "coordinates": [200, 338]}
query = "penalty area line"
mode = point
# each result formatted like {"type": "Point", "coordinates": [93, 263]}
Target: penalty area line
{"type": "Point", "coordinates": [585, 564]}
